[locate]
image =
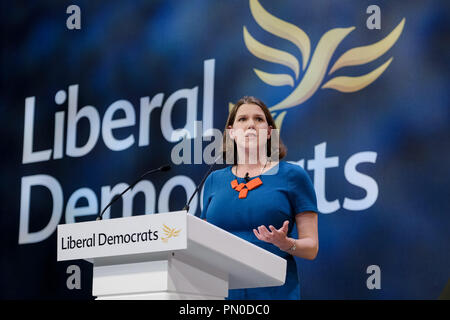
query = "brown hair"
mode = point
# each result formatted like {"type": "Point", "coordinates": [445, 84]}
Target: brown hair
{"type": "Point", "coordinates": [282, 150]}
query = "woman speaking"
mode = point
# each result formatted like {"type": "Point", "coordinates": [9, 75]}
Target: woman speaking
{"type": "Point", "coordinates": [260, 198]}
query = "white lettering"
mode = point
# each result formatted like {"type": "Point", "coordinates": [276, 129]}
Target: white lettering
{"type": "Point", "coordinates": [25, 236]}
{"type": "Point", "coordinates": [88, 112]}
{"type": "Point", "coordinates": [29, 155]}
{"type": "Point", "coordinates": [361, 180]}
{"type": "Point", "coordinates": [208, 96]}
{"type": "Point", "coordinates": [169, 133]}
{"type": "Point", "coordinates": [72, 211]}
{"type": "Point", "coordinates": [319, 164]}
{"type": "Point", "coordinates": [374, 281]}
{"type": "Point", "coordinates": [109, 124]}
{"type": "Point", "coordinates": [146, 109]}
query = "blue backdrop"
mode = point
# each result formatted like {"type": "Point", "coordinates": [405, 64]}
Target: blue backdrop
{"type": "Point", "coordinates": [373, 133]}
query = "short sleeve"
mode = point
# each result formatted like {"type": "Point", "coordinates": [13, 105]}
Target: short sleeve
{"type": "Point", "coordinates": [301, 193]}
{"type": "Point", "coordinates": [207, 195]}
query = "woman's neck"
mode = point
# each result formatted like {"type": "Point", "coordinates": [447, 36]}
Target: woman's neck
{"type": "Point", "coordinates": [253, 168]}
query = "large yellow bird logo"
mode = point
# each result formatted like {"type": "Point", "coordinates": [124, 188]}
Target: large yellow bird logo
{"type": "Point", "coordinates": [314, 68]}
{"type": "Point", "coordinates": [169, 233]}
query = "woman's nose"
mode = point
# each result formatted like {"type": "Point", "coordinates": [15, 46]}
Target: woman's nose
{"type": "Point", "coordinates": [251, 124]}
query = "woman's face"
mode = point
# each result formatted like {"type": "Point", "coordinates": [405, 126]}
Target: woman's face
{"type": "Point", "coordinates": [250, 129]}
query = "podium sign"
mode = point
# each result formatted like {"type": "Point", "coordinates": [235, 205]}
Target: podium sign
{"type": "Point", "coordinates": [114, 237]}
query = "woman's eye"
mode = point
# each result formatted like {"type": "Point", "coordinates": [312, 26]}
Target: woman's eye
{"type": "Point", "coordinates": [240, 119]}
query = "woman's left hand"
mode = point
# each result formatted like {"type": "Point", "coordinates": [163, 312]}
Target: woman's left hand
{"type": "Point", "coordinates": [277, 237]}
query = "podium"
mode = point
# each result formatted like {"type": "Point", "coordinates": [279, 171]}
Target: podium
{"type": "Point", "coordinates": [172, 255]}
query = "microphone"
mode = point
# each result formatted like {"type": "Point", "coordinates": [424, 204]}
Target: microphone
{"type": "Point", "coordinates": [186, 207]}
{"type": "Point", "coordinates": [246, 178]}
{"type": "Point", "coordinates": [117, 197]}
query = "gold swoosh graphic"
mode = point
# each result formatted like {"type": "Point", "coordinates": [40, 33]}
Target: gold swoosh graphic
{"type": "Point", "coordinates": [316, 70]}
{"type": "Point", "coordinates": [275, 79]}
{"type": "Point", "coordinates": [282, 29]}
{"type": "Point", "coordinates": [315, 67]}
{"type": "Point", "coordinates": [365, 54]}
{"type": "Point", "coordinates": [352, 84]}
{"type": "Point", "coordinates": [230, 106]}
{"type": "Point", "coordinates": [270, 54]}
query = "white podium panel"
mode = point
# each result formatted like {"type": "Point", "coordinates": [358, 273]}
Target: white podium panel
{"type": "Point", "coordinates": [167, 256]}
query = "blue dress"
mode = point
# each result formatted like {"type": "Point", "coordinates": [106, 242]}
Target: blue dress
{"type": "Point", "coordinates": [286, 191]}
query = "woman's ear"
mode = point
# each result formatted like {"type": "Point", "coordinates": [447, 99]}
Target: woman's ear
{"type": "Point", "coordinates": [230, 132]}
{"type": "Point", "coordinates": [269, 132]}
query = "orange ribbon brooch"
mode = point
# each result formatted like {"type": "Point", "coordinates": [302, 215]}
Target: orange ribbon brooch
{"type": "Point", "coordinates": [244, 188]}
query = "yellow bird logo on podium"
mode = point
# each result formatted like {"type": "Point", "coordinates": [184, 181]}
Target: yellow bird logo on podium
{"type": "Point", "coordinates": [313, 67]}
{"type": "Point", "coordinates": [169, 233]}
